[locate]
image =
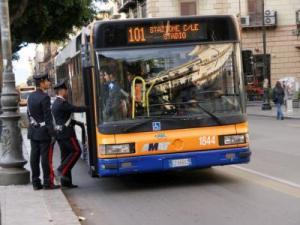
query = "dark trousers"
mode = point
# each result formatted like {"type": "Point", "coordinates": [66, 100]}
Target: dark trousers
{"type": "Point", "coordinates": [70, 153]}
{"type": "Point", "coordinates": [41, 150]}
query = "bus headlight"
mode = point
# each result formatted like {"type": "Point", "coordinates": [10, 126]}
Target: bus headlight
{"type": "Point", "coordinates": [234, 139]}
{"type": "Point", "coordinates": [116, 149]}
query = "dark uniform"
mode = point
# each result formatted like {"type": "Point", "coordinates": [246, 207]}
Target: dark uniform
{"type": "Point", "coordinates": [65, 135]}
{"type": "Point", "coordinates": [40, 132]}
{"type": "Point", "coordinates": [113, 102]}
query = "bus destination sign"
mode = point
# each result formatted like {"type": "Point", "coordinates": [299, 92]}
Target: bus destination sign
{"type": "Point", "coordinates": [144, 32]}
{"type": "Point", "coordinates": [153, 33]}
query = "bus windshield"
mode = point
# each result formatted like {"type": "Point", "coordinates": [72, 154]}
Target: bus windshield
{"type": "Point", "coordinates": [183, 81]}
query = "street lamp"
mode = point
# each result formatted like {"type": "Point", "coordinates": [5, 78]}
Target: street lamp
{"type": "Point", "coordinates": [11, 156]}
{"type": "Point", "coordinates": [266, 100]}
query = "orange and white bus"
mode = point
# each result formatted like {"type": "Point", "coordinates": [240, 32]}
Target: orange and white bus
{"type": "Point", "coordinates": [164, 93]}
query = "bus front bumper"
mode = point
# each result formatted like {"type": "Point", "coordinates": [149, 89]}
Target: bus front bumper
{"type": "Point", "coordinates": [176, 161]}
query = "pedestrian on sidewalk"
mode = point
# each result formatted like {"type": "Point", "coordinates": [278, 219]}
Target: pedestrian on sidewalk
{"type": "Point", "coordinates": [41, 133]}
{"type": "Point", "coordinates": [278, 99]}
{"type": "Point", "coordinates": [266, 90]}
{"type": "Point", "coordinates": [65, 134]}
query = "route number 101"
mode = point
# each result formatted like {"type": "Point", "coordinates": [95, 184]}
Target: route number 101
{"type": "Point", "coordinates": [136, 34]}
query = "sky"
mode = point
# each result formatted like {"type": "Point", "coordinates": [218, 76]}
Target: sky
{"type": "Point", "coordinates": [20, 67]}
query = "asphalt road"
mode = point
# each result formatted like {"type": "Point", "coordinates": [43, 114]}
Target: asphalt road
{"type": "Point", "coordinates": [276, 147]}
{"type": "Point", "coordinates": [266, 191]}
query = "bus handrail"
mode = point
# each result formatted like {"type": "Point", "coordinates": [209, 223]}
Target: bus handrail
{"type": "Point", "coordinates": [147, 97]}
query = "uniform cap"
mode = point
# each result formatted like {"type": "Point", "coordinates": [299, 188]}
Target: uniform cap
{"type": "Point", "coordinates": [42, 76]}
{"type": "Point", "coordinates": [60, 85]}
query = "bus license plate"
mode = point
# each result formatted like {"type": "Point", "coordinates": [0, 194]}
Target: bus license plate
{"type": "Point", "coordinates": [180, 162]}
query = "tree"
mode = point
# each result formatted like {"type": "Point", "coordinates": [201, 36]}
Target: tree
{"type": "Point", "coordinates": [40, 21]}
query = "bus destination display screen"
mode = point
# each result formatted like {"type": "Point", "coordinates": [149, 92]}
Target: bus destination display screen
{"type": "Point", "coordinates": [144, 32]}
{"type": "Point", "coordinates": [159, 33]}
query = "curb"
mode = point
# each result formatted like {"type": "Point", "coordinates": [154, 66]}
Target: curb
{"type": "Point", "coordinates": [267, 116]}
{"type": "Point", "coordinates": [60, 211]}
{"type": "Point", "coordinates": [55, 204]}
{"type": "Point", "coordinates": [21, 205]}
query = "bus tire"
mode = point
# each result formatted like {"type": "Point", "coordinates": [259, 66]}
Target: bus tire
{"type": "Point", "coordinates": [93, 173]}
{"type": "Point", "coordinates": [207, 167]}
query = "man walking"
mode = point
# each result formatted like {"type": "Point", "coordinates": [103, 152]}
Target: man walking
{"type": "Point", "coordinates": [40, 133]}
{"type": "Point", "coordinates": [278, 98]}
{"type": "Point", "coordinates": [66, 137]}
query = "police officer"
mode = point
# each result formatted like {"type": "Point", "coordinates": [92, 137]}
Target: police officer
{"type": "Point", "coordinates": [65, 133]}
{"type": "Point", "coordinates": [40, 133]}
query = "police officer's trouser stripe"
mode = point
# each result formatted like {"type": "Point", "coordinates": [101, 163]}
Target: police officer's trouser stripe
{"type": "Point", "coordinates": [50, 157]}
{"type": "Point", "coordinates": [74, 158]}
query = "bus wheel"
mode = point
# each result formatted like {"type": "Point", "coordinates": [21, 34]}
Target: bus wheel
{"type": "Point", "coordinates": [207, 167]}
{"type": "Point", "coordinates": [93, 173]}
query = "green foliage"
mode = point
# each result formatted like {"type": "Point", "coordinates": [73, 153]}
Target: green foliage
{"type": "Point", "coordinates": [47, 20]}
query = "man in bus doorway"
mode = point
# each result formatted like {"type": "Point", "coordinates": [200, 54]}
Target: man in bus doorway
{"type": "Point", "coordinates": [41, 133]}
{"type": "Point", "coordinates": [113, 101]}
{"type": "Point", "coordinates": [65, 133]}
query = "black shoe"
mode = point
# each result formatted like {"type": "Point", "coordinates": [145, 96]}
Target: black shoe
{"type": "Point", "coordinates": [37, 187]}
{"type": "Point", "coordinates": [51, 187]}
{"type": "Point", "coordinates": [70, 186]}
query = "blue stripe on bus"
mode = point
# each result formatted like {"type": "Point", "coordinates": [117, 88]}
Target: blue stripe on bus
{"type": "Point", "coordinates": [155, 163]}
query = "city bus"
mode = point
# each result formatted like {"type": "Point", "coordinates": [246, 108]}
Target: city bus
{"type": "Point", "coordinates": [163, 93]}
{"type": "Point", "coordinates": [24, 92]}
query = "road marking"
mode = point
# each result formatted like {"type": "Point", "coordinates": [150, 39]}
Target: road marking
{"type": "Point", "coordinates": [277, 184]}
{"type": "Point", "coordinates": [293, 125]}
{"type": "Point", "coordinates": [269, 176]}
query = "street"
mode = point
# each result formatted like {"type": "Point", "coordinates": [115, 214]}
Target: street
{"type": "Point", "coordinates": [266, 191]}
{"type": "Point", "coordinates": [148, 86]}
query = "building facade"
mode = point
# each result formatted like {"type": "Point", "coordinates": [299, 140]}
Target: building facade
{"type": "Point", "coordinates": [282, 21]}
{"type": "Point", "coordinates": [108, 9]}
{"type": "Point", "coordinates": [44, 58]}
{"type": "Point", "coordinates": [43, 62]}
{"type": "Point", "coordinates": [134, 8]}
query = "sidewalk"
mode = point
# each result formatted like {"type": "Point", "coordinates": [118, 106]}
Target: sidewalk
{"type": "Point", "coordinates": [255, 110]}
{"type": "Point", "coordinates": [21, 205]}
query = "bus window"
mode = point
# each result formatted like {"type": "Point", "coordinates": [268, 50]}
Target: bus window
{"type": "Point", "coordinates": [169, 81]}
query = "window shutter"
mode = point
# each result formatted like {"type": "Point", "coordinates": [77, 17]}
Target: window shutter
{"type": "Point", "coordinates": [255, 12]}
{"type": "Point", "coordinates": [188, 8]}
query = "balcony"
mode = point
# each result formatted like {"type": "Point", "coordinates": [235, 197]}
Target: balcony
{"type": "Point", "coordinates": [127, 4]}
{"type": "Point", "coordinates": [254, 20]}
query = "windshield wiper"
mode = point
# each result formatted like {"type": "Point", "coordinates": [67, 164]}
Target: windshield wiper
{"type": "Point", "coordinates": [213, 116]}
{"type": "Point", "coordinates": [145, 120]}
{"type": "Point", "coordinates": [217, 119]}
{"type": "Point", "coordinates": [137, 124]}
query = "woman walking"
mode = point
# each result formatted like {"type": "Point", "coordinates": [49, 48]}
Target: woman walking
{"type": "Point", "coordinates": [278, 99]}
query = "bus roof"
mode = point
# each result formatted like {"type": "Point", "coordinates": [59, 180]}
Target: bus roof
{"type": "Point", "coordinates": [27, 88]}
{"type": "Point", "coordinates": [69, 51]}
{"type": "Point", "coordinates": [160, 31]}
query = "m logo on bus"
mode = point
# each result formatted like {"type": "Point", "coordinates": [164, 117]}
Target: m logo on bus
{"type": "Point", "coordinates": [153, 147]}
{"type": "Point", "coordinates": [162, 146]}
